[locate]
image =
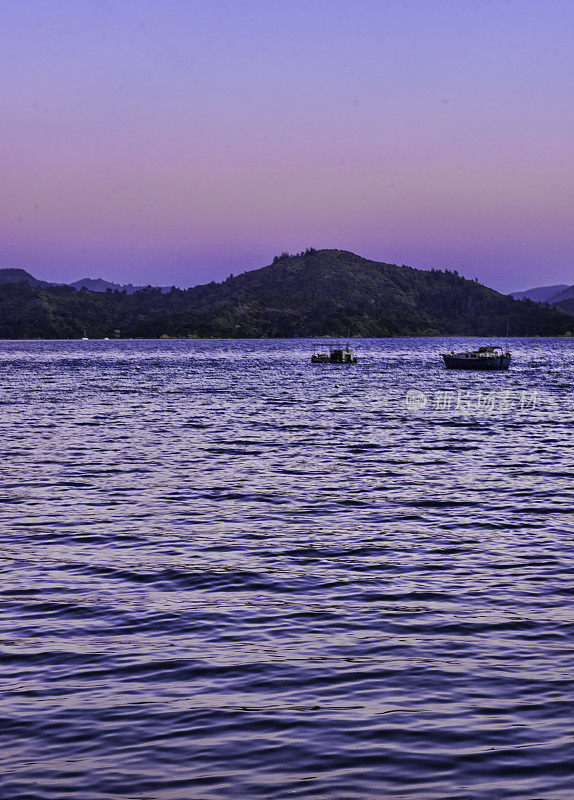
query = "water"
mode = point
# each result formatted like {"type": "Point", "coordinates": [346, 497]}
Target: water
{"type": "Point", "coordinates": [234, 574]}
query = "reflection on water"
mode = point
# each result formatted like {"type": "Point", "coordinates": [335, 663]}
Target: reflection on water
{"type": "Point", "coordinates": [231, 573]}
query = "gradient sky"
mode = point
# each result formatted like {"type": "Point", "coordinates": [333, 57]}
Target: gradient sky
{"type": "Point", "coordinates": [176, 141]}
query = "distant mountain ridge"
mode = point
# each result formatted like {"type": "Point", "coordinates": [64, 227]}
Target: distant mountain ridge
{"type": "Point", "coordinates": [560, 296]}
{"type": "Point", "coordinates": [314, 293]}
{"type": "Point", "coordinates": [540, 294]}
{"type": "Point", "coordinates": [12, 275]}
{"type": "Point", "coordinates": [567, 306]}
{"type": "Point", "coordinates": [565, 294]}
{"type": "Point", "coordinates": [101, 285]}
{"type": "Point", "coordinates": [16, 275]}
{"type": "Point", "coordinates": [546, 294]}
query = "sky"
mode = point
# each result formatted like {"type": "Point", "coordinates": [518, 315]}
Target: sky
{"type": "Point", "coordinates": [179, 141]}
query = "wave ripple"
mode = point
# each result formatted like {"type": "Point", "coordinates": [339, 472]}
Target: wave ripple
{"type": "Point", "coordinates": [231, 574]}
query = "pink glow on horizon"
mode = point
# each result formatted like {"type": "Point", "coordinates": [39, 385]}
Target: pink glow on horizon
{"type": "Point", "coordinates": [178, 146]}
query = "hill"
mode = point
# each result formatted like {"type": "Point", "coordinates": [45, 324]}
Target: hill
{"type": "Point", "coordinates": [92, 284]}
{"type": "Point", "coordinates": [564, 294]}
{"type": "Point", "coordinates": [338, 293]}
{"type": "Point", "coordinates": [315, 293]}
{"type": "Point", "coordinates": [566, 306]}
{"type": "Point", "coordinates": [17, 275]}
{"type": "Point", "coordinates": [101, 285]}
{"type": "Point", "coordinates": [540, 294]}
{"type": "Point", "coordinates": [553, 295]}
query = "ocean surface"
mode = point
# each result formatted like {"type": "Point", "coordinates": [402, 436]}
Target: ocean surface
{"type": "Point", "coordinates": [229, 573]}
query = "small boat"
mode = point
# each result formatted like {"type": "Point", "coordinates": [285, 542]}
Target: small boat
{"type": "Point", "coordinates": [483, 358]}
{"type": "Point", "coordinates": [335, 356]}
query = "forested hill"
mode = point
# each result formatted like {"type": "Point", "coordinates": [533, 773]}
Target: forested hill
{"type": "Point", "coordinates": [567, 306]}
{"type": "Point", "coordinates": [315, 293]}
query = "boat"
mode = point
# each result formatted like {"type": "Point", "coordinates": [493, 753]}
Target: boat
{"type": "Point", "coordinates": [335, 356]}
{"type": "Point", "coordinates": [484, 358]}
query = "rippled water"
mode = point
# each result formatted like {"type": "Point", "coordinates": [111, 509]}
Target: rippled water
{"type": "Point", "coordinates": [234, 574]}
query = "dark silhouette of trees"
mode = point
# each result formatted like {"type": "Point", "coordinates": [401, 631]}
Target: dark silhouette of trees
{"type": "Point", "coordinates": [312, 293]}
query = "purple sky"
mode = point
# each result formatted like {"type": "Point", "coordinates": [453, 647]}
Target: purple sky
{"type": "Point", "coordinates": [176, 141]}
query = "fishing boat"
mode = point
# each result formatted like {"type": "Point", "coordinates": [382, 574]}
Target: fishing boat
{"type": "Point", "coordinates": [335, 356]}
{"type": "Point", "coordinates": [484, 358]}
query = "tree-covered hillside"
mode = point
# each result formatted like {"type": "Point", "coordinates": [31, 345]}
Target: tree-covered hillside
{"type": "Point", "coordinates": [567, 306]}
{"type": "Point", "coordinates": [315, 293]}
